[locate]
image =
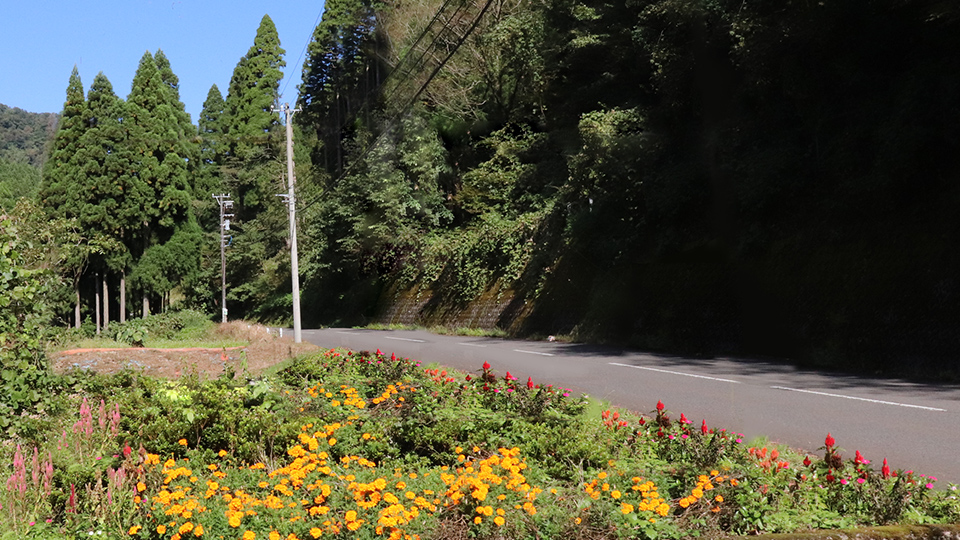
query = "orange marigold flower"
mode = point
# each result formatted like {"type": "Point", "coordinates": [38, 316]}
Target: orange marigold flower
{"type": "Point", "coordinates": [249, 535]}
{"type": "Point", "coordinates": [182, 442]}
{"type": "Point", "coordinates": [161, 529]}
{"type": "Point", "coordinates": [499, 521]}
{"type": "Point", "coordinates": [134, 530]}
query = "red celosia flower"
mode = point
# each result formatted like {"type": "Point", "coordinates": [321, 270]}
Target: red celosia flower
{"type": "Point", "coordinates": [642, 421]}
{"type": "Point", "coordinates": [703, 428]}
{"type": "Point", "coordinates": [605, 415]}
{"type": "Point", "coordinates": [806, 461]}
{"type": "Point", "coordinates": [659, 405]}
{"type": "Point", "coordinates": [830, 477]}
{"type": "Point", "coordinates": [468, 378]}
{"type": "Point", "coordinates": [72, 501]}
{"type": "Point", "coordinates": [829, 441]}
{"type": "Point", "coordinates": [683, 419]}
{"type": "Point", "coordinates": [127, 450]}
{"type": "Point", "coordinates": [858, 459]}
{"type": "Point", "coordinates": [379, 353]}
{"type": "Point", "coordinates": [486, 366]}
{"type": "Point", "coordinates": [530, 382]}
{"type": "Point", "coordinates": [885, 470]}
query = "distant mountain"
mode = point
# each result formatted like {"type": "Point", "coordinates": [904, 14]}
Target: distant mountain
{"type": "Point", "coordinates": [24, 135]}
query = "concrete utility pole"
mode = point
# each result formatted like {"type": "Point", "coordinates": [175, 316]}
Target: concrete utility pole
{"type": "Point", "coordinates": [292, 211]}
{"type": "Point", "coordinates": [226, 207]}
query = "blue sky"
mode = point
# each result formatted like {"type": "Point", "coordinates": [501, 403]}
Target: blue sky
{"type": "Point", "coordinates": [204, 39]}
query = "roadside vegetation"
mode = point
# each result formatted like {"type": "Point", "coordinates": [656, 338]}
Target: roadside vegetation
{"type": "Point", "coordinates": [345, 444]}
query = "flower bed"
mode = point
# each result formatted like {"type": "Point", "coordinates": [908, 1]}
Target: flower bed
{"type": "Point", "coordinates": [362, 445]}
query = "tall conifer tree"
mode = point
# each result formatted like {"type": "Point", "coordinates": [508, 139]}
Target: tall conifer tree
{"type": "Point", "coordinates": [251, 126]}
{"type": "Point", "coordinates": [60, 173]}
{"type": "Point", "coordinates": [108, 200]}
{"type": "Point", "coordinates": [208, 178]}
{"type": "Point", "coordinates": [339, 74]}
{"type": "Point", "coordinates": [62, 177]}
{"type": "Point", "coordinates": [160, 165]}
{"type": "Point", "coordinates": [252, 170]}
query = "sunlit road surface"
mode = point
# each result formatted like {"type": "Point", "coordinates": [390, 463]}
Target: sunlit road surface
{"type": "Point", "coordinates": [914, 426]}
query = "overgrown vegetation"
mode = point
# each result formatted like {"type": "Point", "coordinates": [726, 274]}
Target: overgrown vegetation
{"type": "Point", "coordinates": [344, 444]}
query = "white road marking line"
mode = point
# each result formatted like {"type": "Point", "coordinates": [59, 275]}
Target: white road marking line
{"type": "Point", "coordinates": [676, 373]}
{"type": "Point", "coordinates": [471, 344]}
{"type": "Point", "coordinates": [533, 352]}
{"type": "Point", "coordinates": [345, 332]}
{"type": "Point", "coordinates": [881, 402]}
{"type": "Point", "coordinates": [405, 339]}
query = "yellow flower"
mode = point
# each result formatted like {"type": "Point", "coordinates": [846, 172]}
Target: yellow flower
{"type": "Point", "coordinates": [718, 498]}
{"type": "Point", "coordinates": [182, 442]}
{"type": "Point", "coordinates": [198, 530]}
{"type": "Point", "coordinates": [499, 521]}
{"type": "Point", "coordinates": [141, 487]}
{"type": "Point", "coordinates": [274, 535]}
{"type": "Point", "coordinates": [626, 508]}
{"type": "Point", "coordinates": [615, 494]}
{"type": "Point", "coordinates": [249, 535]}
{"type": "Point", "coordinates": [222, 453]}
{"type": "Point", "coordinates": [477, 520]}
{"type": "Point", "coordinates": [161, 529]}
{"type": "Point", "coordinates": [134, 530]}
{"type": "Point", "coordinates": [315, 532]}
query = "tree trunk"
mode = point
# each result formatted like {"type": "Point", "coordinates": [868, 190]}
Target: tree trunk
{"type": "Point", "coordinates": [106, 303]}
{"type": "Point", "coordinates": [76, 307]}
{"type": "Point", "coordinates": [123, 296]}
{"type": "Point", "coordinates": [96, 303]}
{"type": "Point", "coordinates": [146, 304]}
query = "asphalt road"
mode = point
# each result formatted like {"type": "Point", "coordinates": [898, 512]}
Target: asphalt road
{"type": "Point", "coordinates": [914, 426]}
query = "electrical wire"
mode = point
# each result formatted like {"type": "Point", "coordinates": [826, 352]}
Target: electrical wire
{"type": "Point", "coordinates": [393, 123]}
{"type": "Point", "coordinates": [304, 50]}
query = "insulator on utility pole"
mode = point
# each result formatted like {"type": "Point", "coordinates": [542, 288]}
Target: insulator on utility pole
{"type": "Point", "coordinates": [292, 211]}
{"type": "Point", "coordinates": [226, 209]}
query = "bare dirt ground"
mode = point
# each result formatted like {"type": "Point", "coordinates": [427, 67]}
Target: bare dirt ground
{"type": "Point", "coordinates": [262, 351]}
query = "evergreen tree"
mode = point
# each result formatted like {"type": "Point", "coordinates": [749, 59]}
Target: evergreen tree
{"type": "Point", "coordinates": [160, 156]}
{"type": "Point", "coordinates": [108, 198]}
{"type": "Point", "coordinates": [60, 173]}
{"type": "Point", "coordinates": [250, 124]}
{"type": "Point", "coordinates": [252, 170]}
{"type": "Point", "coordinates": [208, 180]}
{"type": "Point", "coordinates": [340, 72]}
{"type": "Point", "coordinates": [187, 131]}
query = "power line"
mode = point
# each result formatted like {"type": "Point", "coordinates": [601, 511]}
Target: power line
{"type": "Point", "coordinates": [391, 124]}
{"type": "Point", "coordinates": [304, 50]}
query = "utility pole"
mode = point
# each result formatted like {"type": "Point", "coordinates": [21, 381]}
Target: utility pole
{"type": "Point", "coordinates": [292, 211]}
{"type": "Point", "coordinates": [226, 207]}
